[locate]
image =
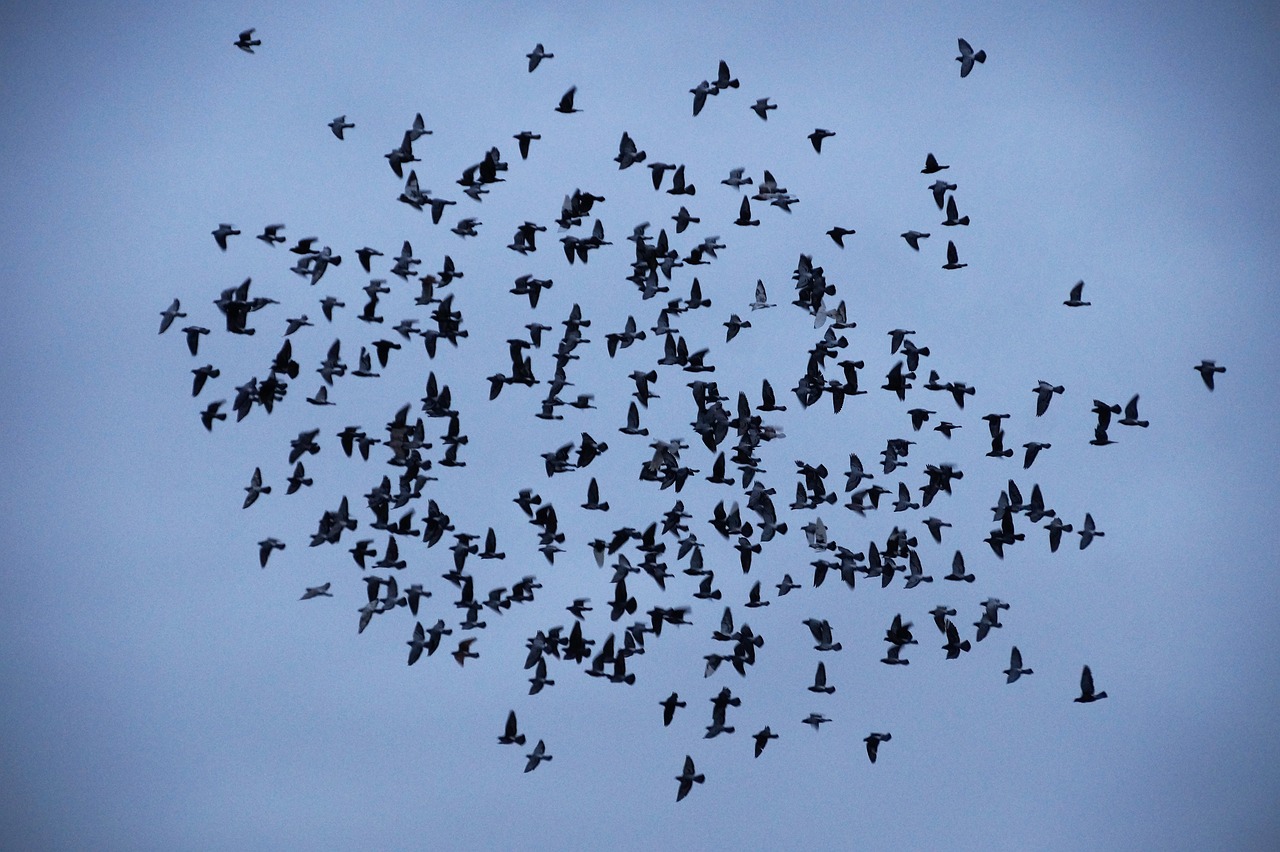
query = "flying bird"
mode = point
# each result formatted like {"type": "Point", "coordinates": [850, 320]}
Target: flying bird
{"type": "Point", "coordinates": [1015, 669]}
{"type": "Point", "coordinates": [761, 108]}
{"type": "Point", "coordinates": [537, 55]}
{"type": "Point", "coordinates": [967, 57]}
{"type": "Point", "coordinates": [338, 125]}
{"type": "Point", "coordinates": [873, 741]}
{"type": "Point", "coordinates": [1074, 300]}
{"type": "Point", "coordinates": [566, 101]}
{"type": "Point", "coordinates": [817, 136]}
{"type": "Point", "coordinates": [688, 778]}
{"type": "Point", "coordinates": [1205, 368]}
{"type": "Point", "coordinates": [1087, 693]}
{"type": "Point", "coordinates": [537, 756]}
{"type": "Point", "coordinates": [246, 41]}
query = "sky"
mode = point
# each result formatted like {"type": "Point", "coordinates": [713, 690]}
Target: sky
{"type": "Point", "coordinates": [162, 691]}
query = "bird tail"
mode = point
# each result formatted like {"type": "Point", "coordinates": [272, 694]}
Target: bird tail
{"type": "Point", "coordinates": [980, 56]}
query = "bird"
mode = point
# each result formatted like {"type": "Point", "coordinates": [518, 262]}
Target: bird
{"type": "Point", "coordinates": [537, 756]}
{"type": "Point", "coordinates": [246, 41]}
{"type": "Point", "coordinates": [815, 720]}
{"type": "Point", "coordinates": [265, 547]}
{"type": "Point", "coordinates": [687, 778]}
{"type": "Point", "coordinates": [537, 55]}
{"type": "Point", "coordinates": [1044, 392]}
{"type": "Point", "coordinates": [953, 214]}
{"type": "Point", "coordinates": [967, 57]}
{"type": "Point", "coordinates": [524, 137]}
{"type": "Point", "coordinates": [255, 488]}
{"type": "Point", "coordinates": [931, 165]}
{"type": "Point", "coordinates": [1015, 669]}
{"type": "Point", "coordinates": [338, 125]}
{"type": "Point", "coordinates": [913, 238]}
{"type": "Point", "coordinates": [1074, 300]}
{"type": "Point", "coordinates": [700, 93]}
{"type": "Point", "coordinates": [817, 136]}
{"type": "Point", "coordinates": [873, 741]}
{"type": "Point", "coordinates": [762, 738]}
{"type": "Point", "coordinates": [837, 234]}
{"type": "Point", "coordinates": [1131, 414]}
{"type": "Point", "coordinates": [566, 101]}
{"type": "Point", "coordinates": [1088, 532]}
{"type": "Point", "coordinates": [1087, 693]}
{"type": "Point", "coordinates": [669, 705]}
{"type": "Point", "coordinates": [940, 188]}
{"type": "Point", "coordinates": [321, 591]}
{"type": "Point", "coordinates": [953, 258]}
{"type": "Point", "coordinates": [820, 680]}
{"type": "Point", "coordinates": [174, 311]}
{"type": "Point", "coordinates": [761, 108]}
{"type": "Point", "coordinates": [510, 736]}
{"type": "Point", "coordinates": [1205, 368]}
{"type": "Point", "coordinates": [221, 233]}
{"type": "Point", "coordinates": [464, 651]}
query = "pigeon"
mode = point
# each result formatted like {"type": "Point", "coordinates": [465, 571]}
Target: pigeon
{"type": "Point", "coordinates": [338, 125]}
{"type": "Point", "coordinates": [509, 734]}
{"type": "Point", "coordinates": [566, 102]}
{"type": "Point", "coordinates": [1088, 533]}
{"type": "Point", "coordinates": [537, 756]}
{"type": "Point", "coordinates": [669, 705]}
{"type": "Point", "coordinates": [913, 238]}
{"type": "Point", "coordinates": [817, 136]}
{"type": "Point", "coordinates": [174, 311]}
{"type": "Point", "coordinates": [1087, 694]}
{"type": "Point", "coordinates": [1074, 300]}
{"type": "Point", "coordinates": [246, 41]}
{"type": "Point", "coordinates": [221, 233]}
{"type": "Point", "coordinates": [1044, 393]}
{"type": "Point", "coordinates": [1205, 368]}
{"type": "Point", "coordinates": [967, 57]}
{"type": "Point", "coordinates": [1015, 669]}
{"type": "Point", "coordinates": [316, 592]}
{"type": "Point", "coordinates": [265, 547]}
{"type": "Point", "coordinates": [761, 108]}
{"type": "Point", "coordinates": [873, 741]}
{"type": "Point", "coordinates": [537, 55]}
{"type": "Point", "coordinates": [953, 258]}
{"type": "Point", "coordinates": [762, 738]}
{"type": "Point", "coordinates": [688, 778]}
{"type": "Point", "coordinates": [931, 165]}
{"type": "Point", "coordinates": [837, 234]}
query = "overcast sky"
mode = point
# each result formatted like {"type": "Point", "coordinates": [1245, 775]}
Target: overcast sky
{"type": "Point", "coordinates": [164, 692]}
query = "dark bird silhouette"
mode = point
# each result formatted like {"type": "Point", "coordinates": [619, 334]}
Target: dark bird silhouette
{"type": "Point", "coordinates": [669, 705]}
{"type": "Point", "coordinates": [817, 136]}
{"type": "Point", "coordinates": [1074, 300]}
{"type": "Point", "coordinates": [1087, 693]}
{"type": "Point", "coordinates": [246, 41]}
{"type": "Point", "coordinates": [761, 108]}
{"type": "Point", "coordinates": [1015, 669]}
{"type": "Point", "coordinates": [967, 57]}
{"type": "Point", "coordinates": [338, 126]}
{"type": "Point", "coordinates": [537, 756]}
{"type": "Point", "coordinates": [537, 55]}
{"type": "Point", "coordinates": [1205, 368]}
{"type": "Point", "coordinates": [762, 738]}
{"type": "Point", "coordinates": [873, 741]}
{"type": "Point", "coordinates": [687, 778]}
{"type": "Point", "coordinates": [509, 735]}
{"type": "Point", "coordinates": [566, 102]}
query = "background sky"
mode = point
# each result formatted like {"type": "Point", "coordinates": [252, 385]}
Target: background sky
{"type": "Point", "coordinates": [162, 691]}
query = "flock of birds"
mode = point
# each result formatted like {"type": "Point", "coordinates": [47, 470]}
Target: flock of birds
{"type": "Point", "coordinates": [638, 554]}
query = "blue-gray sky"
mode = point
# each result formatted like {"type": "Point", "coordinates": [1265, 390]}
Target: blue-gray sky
{"type": "Point", "coordinates": [162, 691]}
